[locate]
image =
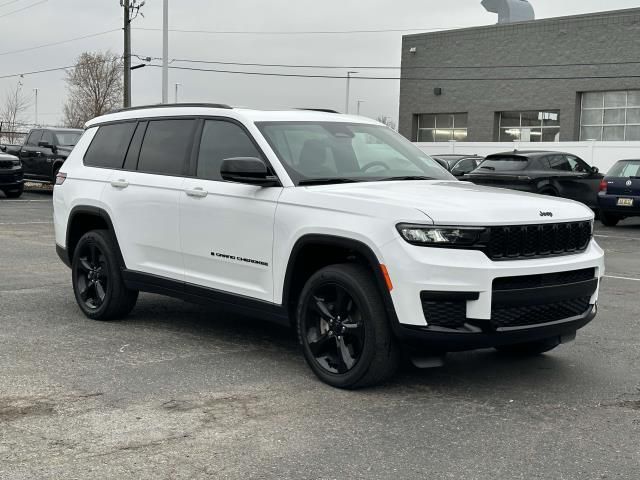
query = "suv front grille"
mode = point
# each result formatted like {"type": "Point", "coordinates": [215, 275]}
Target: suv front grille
{"type": "Point", "coordinates": [504, 317]}
{"type": "Point", "coordinates": [532, 241]}
{"type": "Point", "coordinates": [6, 163]}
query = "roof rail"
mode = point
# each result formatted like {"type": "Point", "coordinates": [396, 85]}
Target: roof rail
{"type": "Point", "coordinates": [324, 110]}
{"type": "Point", "coordinates": [168, 105]}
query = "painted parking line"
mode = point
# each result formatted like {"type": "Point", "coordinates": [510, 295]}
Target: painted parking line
{"type": "Point", "coordinates": [25, 201]}
{"type": "Point", "coordinates": [629, 279]}
{"type": "Point", "coordinates": [619, 237]}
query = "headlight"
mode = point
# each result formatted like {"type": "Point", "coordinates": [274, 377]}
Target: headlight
{"type": "Point", "coordinates": [16, 162]}
{"type": "Point", "coordinates": [440, 236]}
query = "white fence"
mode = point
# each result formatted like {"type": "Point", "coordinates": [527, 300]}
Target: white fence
{"type": "Point", "coordinates": [599, 154]}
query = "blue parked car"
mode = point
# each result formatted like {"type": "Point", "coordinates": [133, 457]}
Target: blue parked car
{"type": "Point", "coordinates": [619, 195]}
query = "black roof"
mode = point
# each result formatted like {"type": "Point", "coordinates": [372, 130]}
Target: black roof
{"type": "Point", "coordinates": [527, 153]}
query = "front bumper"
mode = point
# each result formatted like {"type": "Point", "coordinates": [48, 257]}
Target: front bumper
{"type": "Point", "coordinates": [11, 178]}
{"type": "Point", "coordinates": [416, 270]}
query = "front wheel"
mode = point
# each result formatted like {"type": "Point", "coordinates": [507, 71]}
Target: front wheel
{"type": "Point", "coordinates": [609, 220]}
{"type": "Point", "coordinates": [17, 193]}
{"type": "Point", "coordinates": [529, 349]}
{"type": "Point", "coordinates": [97, 280]}
{"type": "Point", "coordinates": [344, 329]}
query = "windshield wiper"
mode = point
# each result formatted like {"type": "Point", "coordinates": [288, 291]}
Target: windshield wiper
{"type": "Point", "coordinates": [406, 177]}
{"type": "Point", "coordinates": [326, 181]}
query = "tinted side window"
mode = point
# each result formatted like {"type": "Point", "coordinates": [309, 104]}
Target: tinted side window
{"type": "Point", "coordinates": [465, 166]}
{"type": "Point", "coordinates": [165, 147]}
{"type": "Point", "coordinates": [48, 137]}
{"type": "Point", "coordinates": [222, 140]}
{"type": "Point", "coordinates": [559, 162]}
{"type": "Point", "coordinates": [110, 145]}
{"type": "Point", "coordinates": [34, 138]}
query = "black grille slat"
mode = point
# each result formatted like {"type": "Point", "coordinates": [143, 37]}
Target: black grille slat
{"type": "Point", "coordinates": [544, 280]}
{"type": "Point", "coordinates": [505, 317]}
{"type": "Point", "coordinates": [529, 241]}
{"type": "Point", "coordinates": [6, 164]}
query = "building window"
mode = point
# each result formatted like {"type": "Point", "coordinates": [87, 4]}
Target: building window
{"type": "Point", "coordinates": [610, 115]}
{"type": "Point", "coordinates": [529, 126]}
{"type": "Point", "coordinates": [442, 127]}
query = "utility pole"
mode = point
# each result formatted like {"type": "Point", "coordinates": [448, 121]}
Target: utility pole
{"type": "Point", "coordinates": [127, 53]}
{"type": "Point", "coordinates": [360, 102]}
{"type": "Point", "coordinates": [165, 51]}
{"type": "Point", "coordinates": [36, 92]}
{"type": "Point", "coordinates": [346, 107]}
{"type": "Point", "coordinates": [176, 97]}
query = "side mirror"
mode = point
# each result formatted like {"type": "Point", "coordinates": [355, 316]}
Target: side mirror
{"type": "Point", "coordinates": [247, 170]}
{"type": "Point", "coordinates": [595, 170]}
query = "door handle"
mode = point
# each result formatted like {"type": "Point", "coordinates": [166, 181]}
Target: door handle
{"type": "Point", "coordinates": [198, 192]}
{"type": "Point", "coordinates": [120, 183]}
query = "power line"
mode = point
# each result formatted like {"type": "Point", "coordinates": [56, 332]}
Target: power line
{"type": "Point", "coordinates": [424, 79]}
{"type": "Point", "coordinates": [60, 42]}
{"type": "Point", "coordinates": [24, 74]}
{"type": "Point", "coordinates": [23, 8]}
{"type": "Point", "coordinates": [317, 32]}
{"type": "Point", "coordinates": [9, 3]}
{"type": "Point", "coordinates": [380, 67]}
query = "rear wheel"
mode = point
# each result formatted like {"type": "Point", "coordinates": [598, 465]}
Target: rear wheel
{"type": "Point", "coordinates": [530, 348]}
{"type": "Point", "coordinates": [344, 330]}
{"type": "Point", "coordinates": [97, 279]}
{"type": "Point", "coordinates": [608, 219]}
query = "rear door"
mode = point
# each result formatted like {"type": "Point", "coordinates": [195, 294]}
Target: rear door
{"type": "Point", "coordinates": [144, 195]}
{"type": "Point", "coordinates": [226, 227]}
{"type": "Point", "coordinates": [575, 179]}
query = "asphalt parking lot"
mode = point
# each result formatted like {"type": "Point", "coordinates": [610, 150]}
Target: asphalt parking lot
{"type": "Point", "coordinates": [184, 391]}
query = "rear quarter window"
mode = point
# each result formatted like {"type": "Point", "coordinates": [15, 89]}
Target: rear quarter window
{"type": "Point", "coordinates": [504, 164]}
{"type": "Point", "coordinates": [109, 146]}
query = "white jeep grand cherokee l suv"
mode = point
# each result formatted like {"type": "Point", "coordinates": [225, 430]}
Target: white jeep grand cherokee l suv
{"type": "Point", "coordinates": [333, 224]}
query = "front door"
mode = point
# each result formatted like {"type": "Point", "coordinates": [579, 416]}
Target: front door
{"type": "Point", "coordinates": [30, 155]}
{"type": "Point", "coordinates": [226, 228]}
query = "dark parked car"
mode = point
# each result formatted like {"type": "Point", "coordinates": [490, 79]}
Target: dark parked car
{"type": "Point", "coordinates": [11, 176]}
{"type": "Point", "coordinates": [619, 195]}
{"type": "Point", "coordinates": [44, 151]}
{"type": "Point", "coordinates": [547, 173]}
{"type": "Point", "coordinates": [458, 165]}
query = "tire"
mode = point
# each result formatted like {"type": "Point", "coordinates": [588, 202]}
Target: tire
{"type": "Point", "coordinates": [15, 193]}
{"type": "Point", "coordinates": [97, 279]}
{"type": "Point", "coordinates": [608, 219]}
{"type": "Point", "coordinates": [530, 349]}
{"type": "Point", "coordinates": [352, 349]}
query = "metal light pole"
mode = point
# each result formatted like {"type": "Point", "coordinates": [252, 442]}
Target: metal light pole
{"type": "Point", "coordinates": [36, 92]}
{"type": "Point", "coordinates": [176, 97]}
{"type": "Point", "coordinates": [127, 54]}
{"type": "Point", "coordinates": [165, 51]}
{"type": "Point", "coordinates": [360, 102]}
{"type": "Point", "coordinates": [346, 106]}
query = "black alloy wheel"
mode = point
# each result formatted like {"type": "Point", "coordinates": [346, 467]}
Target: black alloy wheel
{"type": "Point", "coordinates": [334, 329]}
{"type": "Point", "coordinates": [97, 278]}
{"type": "Point", "coordinates": [92, 276]}
{"type": "Point", "coordinates": [344, 328]}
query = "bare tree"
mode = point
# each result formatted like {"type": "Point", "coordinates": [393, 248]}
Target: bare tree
{"type": "Point", "coordinates": [94, 86]}
{"type": "Point", "coordinates": [12, 113]}
{"type": "Point", "coordinates": [388, 121]}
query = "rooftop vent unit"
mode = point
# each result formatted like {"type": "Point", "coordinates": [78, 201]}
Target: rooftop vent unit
{"type": "Point", "coordinates": [510, 11]}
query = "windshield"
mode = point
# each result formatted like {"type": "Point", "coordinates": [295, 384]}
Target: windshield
{"type": "Point", "coordinates": [333, 151]}
{"type": "Point", "coordinates": [625, 169]}
{"type": "Point", "coordinates": [68, 139]}
{"type": "Point", "coordinates": [503, 164]}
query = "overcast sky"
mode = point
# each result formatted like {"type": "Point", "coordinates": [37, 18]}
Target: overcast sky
{"type": "Point", "coordinates": [58, 20]}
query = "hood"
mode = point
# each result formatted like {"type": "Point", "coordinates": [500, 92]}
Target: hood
{"type": "Point", "coordinates": [463, 203]}
{"type": "Point", "coordinates": [6, 156]}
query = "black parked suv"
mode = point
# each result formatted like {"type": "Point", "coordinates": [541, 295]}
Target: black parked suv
{"type": "Point", "coordinates": [11, 182]}
{"type": "Point", "coordinates": [44, 151]}
{"type": "Point", "coordinates": [548, 173]}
